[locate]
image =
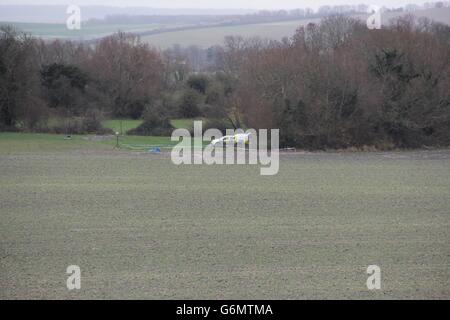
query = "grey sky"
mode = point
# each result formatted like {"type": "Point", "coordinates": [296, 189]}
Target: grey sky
{"type": "Point", "coordinates": [217, 4]}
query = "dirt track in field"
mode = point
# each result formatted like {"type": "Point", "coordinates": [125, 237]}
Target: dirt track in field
{"type": "Point", "coordinates": [140, 227]}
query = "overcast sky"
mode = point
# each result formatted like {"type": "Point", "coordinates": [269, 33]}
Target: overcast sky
{"type": "Point", "coordinates": [217, 4]}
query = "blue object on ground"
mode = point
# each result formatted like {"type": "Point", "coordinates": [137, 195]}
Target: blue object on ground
{"type": "Point", "coordinates": [155, 150]}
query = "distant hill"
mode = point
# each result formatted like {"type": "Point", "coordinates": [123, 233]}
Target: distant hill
{"type": "Point", "coordinates": [441, 15]}
{"type": "Point", "coordinates": [215, 35]}
{"type": "Point", "coordinates": [207, 37]}
{"type": "Point", "coordinates": [163, 28]}
{"type": "Point", "coordinates": [57, 13]}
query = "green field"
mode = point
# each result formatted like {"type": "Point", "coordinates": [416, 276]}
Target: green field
{"type": "Point", "coordinates": [140, 227]}
{"type": "Point", "coordinates": [121, 125]}
{"type": "Point", "coordinates": [203, 37]}
{"type": "Point", "coordinates": [56, 30]}
{"type": "Point", "coordinates": [183, 123]}
{"type": "Point", "coordinates": [11, 143]}
{"type": "Point", "coordinates": [212, 36]}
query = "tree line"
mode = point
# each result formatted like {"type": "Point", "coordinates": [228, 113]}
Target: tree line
{"type": "Point", "coordinates": [334, 84]}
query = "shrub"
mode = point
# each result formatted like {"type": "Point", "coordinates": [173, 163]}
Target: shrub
{"type": "Point", "coordinates": [36, 115]}
{"type": "Point", "coordinates": [136, 109]}
{"type": "Point", "coordinates": [215, 123]}
{"type": "Point", "coordinates": [154, 125]}
{"type": "Point", "coordinates": [189, 106]}
{"type": "Point", "coordinates": [199, 83]}
{"type": "Point", "coordinates": [91, 123]}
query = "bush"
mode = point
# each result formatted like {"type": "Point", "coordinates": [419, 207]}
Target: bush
{"type": "Point", "coordinates": [6, 128]}
{"type": "Point", "coordinates": [214, 123]}
{"type": "Point", "coordinates": [189, 106]}
{"type": "Point", "coordinates": [136, 109]}
{"type": "Point", "coordinates": [36, 115]}
{"type": "Point", "coordinates": [199, 83]}
{"type": "Point", "coordinates": [80, 126]}
{"type": "Point", "coordinates": [91, 123]}
{"type": "Point", "coordinates": [154, 125]}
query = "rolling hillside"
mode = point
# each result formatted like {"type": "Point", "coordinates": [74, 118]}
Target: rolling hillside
{"type": "Point", "coordinates": [164, 35]}
{"type": "Point", "coordinates": [207, 37]}
{"type": "Point", "coordinates": [215, 35]}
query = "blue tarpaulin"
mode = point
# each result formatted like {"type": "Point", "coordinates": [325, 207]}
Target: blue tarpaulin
{"type": "Point", "coordinates": [155, 150]}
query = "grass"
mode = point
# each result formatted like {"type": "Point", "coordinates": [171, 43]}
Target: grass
{"type": "Point", "coordinates": [202, 37]}
{"type": "Point", "coordinates": [208, 37]}
{"type": "Point", "coordinates": [183, 123]}
{"type": "Point", "coordinates": [141, 227]}
{"type": "Point", "coordinates": [127, 124]}
{"type": "Point", "coordinates": [142, 143]}
{"type": "Point", "coordinates": [59, 30]}
{"type": "Point", "coordinates": [11, 143]}
{"type": "Point", "coordinates": [205, 37]}
{"type": "Point", "coordinates": [121, 125]}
